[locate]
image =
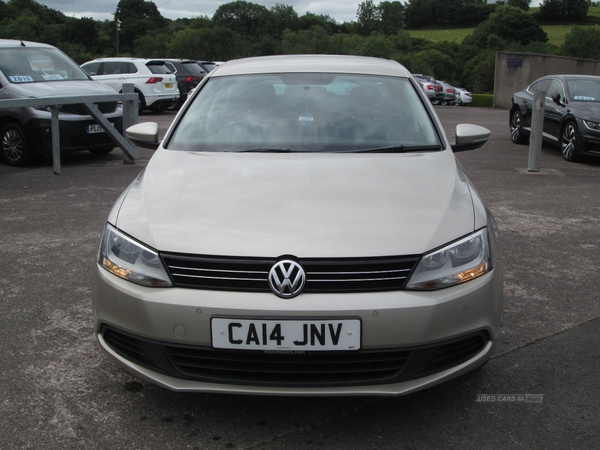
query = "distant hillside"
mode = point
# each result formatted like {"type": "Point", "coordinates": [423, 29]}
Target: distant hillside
{"type": "Point", "coordinates": [556, 33]}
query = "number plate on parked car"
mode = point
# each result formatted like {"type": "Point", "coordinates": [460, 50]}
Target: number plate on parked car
{"type": "Point", "coordinates": [94, 129]}
{"type": "Point", "coordinates": [169, 85]}
{"type": "Point", "coordinates": [286, 335]}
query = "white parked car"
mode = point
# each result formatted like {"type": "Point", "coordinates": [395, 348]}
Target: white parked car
{"type": "Point", "coordinates": [304, 228]}
{"type": "Point", "coordinates": [152, 80]}
{"type": "Point", "coordinates": [463, 97]}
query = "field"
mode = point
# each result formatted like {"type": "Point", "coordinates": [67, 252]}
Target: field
{"type": "Point", "coordinates": [556, 33]}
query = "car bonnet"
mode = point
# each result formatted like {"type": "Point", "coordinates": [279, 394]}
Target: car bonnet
{"type": "Point", "coordinates": [58, 88]}
{"type": "Point", "coordinates": [307, 205]}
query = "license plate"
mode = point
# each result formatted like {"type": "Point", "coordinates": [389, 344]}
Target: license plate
{"type": "Point", "coordinates": [286, 335]}
{"type": "Point", "coordinates": [94, 129]}
{"type": "Point", "coordinates": [169, 85]}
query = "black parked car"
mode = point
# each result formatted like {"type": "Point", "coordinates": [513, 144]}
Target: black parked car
{"type": "Point", "coordinates": [207, 66]}
{"type": "Point", "coordinates": [571, 114]}
{"type": "Point", "coordinates": [188, 77]}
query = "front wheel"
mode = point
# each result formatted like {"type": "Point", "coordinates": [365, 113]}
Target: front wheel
{"type": "Point", "coordinates": [516, 128]}
{"type": "Point", "coordinates": [570, 142]}
{"type": "Point", "coordinates": [15, 147]}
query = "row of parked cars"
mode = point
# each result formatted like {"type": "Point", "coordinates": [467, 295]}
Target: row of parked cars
{"type": "Point", "coordinates": [161, 84]}
{"type": "Point", "coordinates": [442, 93]}
{"type": "Point", "coordinates": [36, 70]}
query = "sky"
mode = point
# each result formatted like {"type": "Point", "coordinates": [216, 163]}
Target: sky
{"type": "Point", "coordinates": [340, 10]}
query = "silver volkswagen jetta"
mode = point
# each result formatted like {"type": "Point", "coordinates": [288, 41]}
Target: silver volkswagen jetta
{"type": "Point", "coordinates": [303, 229]}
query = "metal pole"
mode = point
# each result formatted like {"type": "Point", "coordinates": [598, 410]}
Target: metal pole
{"type": "Point", "coordinates": [130, 117]}
{"type": "Point", "coordinates": [537, 127]}
{"type": "Point", "coordinates": [55, 140]}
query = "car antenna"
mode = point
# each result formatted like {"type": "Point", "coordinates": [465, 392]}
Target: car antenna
{"type": "Point", "coordinates": [22, 43]}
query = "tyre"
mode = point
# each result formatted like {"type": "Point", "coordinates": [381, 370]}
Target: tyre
{"type": "Point", "coordinates": [570, 142]}
{"type": "Point", "coordinates": [435, 102]}
{"type": "Point", "coordinates": [516, 128]}
{"type": "Point", "coordinates": [101, 151]}
{"type": "Point", "coordinates": [141, 102]}
{"type": "Point", "coordinates": [15, 150]}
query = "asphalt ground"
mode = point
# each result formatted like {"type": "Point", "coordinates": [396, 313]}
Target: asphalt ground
{"type": "Point", "coordinates": [539, 391]}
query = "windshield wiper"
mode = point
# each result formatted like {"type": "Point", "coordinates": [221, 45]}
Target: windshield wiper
{"type": "Point", "coordinates": [398, 149]}
{"type": "Point", "coordinates": [263, 150]}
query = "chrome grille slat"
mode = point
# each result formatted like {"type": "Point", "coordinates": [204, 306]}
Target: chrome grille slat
{"type": "Point", "coordinates": [370, 274]}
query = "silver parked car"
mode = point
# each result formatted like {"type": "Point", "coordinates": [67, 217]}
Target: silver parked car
{"type": "Point", "coordinates": [36, 70]}
{"type": "Point", "coordinates": [433, 90]}
{"type": "Point", "coordinates": [449, 94]}
{"type": "Point", "coordinates": [463, 97]}
{"type": "Point", "coordinates": [304, 228]}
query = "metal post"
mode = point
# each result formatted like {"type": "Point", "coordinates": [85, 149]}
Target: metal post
{"type": "Point", "coordinates": [130, 117]}
{"type": "Point", "coordinates": [537, 127]}
{"type": "Point", "coordinates": [55, 140]}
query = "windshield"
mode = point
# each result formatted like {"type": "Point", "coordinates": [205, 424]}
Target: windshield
{"type": "Point", "coordinates": [584, 90]}
{"type": "Point", "coordinates": [306, 112]}
{"type": "Point", "coordinates": [32, 65]}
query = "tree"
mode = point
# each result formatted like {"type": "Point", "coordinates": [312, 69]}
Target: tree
{"type": "Point", "coordinates": [81, 31]}
{"type": "Point", "coordinates": [392, 17]}
{"type": "Point", "coordinates": [245, 18]}
{"type": "Point", "coordinates": [510, 24]}
{"type": "Point", "coordinates": [368, 17]}
{"type": "Point", "coordinates": [426, 13]}
{"type": "Point", "coordinates": [582, 42]}
{"type": "Point", "coordinates": [564, 11]}
{"type": "Point", "coordinates": [523, 4]}
{"type": "Point", "coordinates": [283, 17]}
{"type": "Point", "coordinates": [137, 17]}
{"type": "Point", "coordinates": [376, 45]}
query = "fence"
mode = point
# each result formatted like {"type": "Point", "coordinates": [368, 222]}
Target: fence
{"type": "Point", "coordinates": [130, 117]}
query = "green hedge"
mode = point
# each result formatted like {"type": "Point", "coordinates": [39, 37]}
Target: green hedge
{"type": "Point", "coordinates": [483, 100]}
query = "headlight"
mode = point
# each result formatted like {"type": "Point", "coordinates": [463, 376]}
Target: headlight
{"type": "Point", "coordinates": [592, 125]}
{"type": "Point", "coordinates": [130, 260]}
{"type": "Point", "coordinates": [460, 261]}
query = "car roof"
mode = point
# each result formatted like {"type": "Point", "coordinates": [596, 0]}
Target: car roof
{"type": "Point", "coordinates": [312, 63]}
{"type": "Point", "coordinates": [11, 43]}
{"type": "Point", "coordinates": [567, 76]}
{"type": "Point", "coordinates": [118, 58]}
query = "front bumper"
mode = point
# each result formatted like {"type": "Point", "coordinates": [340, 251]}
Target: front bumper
{"type": "Point", "coordinates": [404, 324]}
{"type": "Point", "coordinates": [590, 139]}
{"type": "Point", "coordinates": [74, 135]}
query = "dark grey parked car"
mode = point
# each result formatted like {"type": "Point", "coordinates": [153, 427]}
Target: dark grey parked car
{"type": "Point", "coordinates": [571, 114]}
{"type": "Point", "coordinates": [188, 74]}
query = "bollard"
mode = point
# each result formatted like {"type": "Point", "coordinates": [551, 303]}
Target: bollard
{"type": "Point", "coordinates": [54, 124]}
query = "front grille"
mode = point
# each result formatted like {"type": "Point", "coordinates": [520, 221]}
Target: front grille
{"type": "Point", "coordinates": [316, 369]}
{"type": "Point", "coordinates": [104, 107]}
{"type": "Point", "coordinates": [322, 275]}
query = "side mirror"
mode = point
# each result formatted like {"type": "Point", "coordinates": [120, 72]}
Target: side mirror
{"type": "Point", "coordinates": [144, 135]}
{"type": "Point", "coordinates": [470, 137]}
{"type": "Point", "coordinates": [556, 97]}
